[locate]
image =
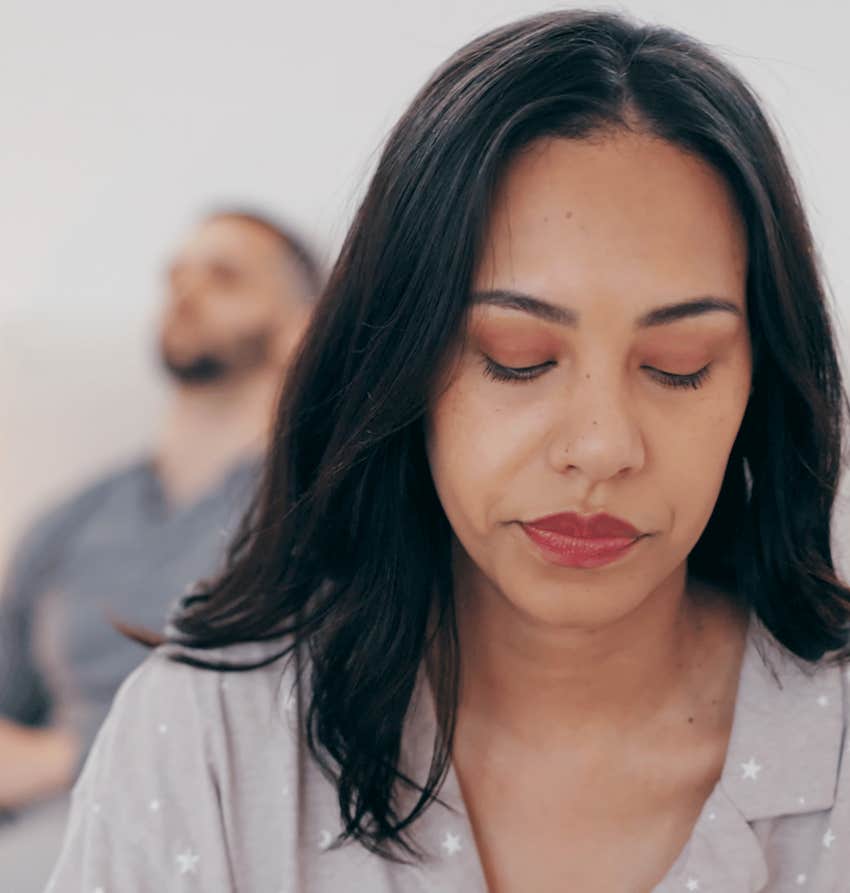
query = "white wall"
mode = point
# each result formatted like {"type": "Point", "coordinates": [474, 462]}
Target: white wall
{"type": "Point", "coordinates": [118, 123]}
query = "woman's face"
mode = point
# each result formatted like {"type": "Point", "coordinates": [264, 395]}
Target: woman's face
{"type": "Point", "coordinates": [605, 372]}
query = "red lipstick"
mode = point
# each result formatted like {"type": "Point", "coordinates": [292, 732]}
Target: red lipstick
{"type": "Point", "coordinates": [584, 541]}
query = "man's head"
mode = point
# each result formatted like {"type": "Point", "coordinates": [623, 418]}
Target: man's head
{"type": "Point", "coordinates": [237, 298]}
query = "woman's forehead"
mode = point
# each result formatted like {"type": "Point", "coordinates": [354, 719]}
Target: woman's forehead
{"type": "Point", "coordinates": [628, 214]}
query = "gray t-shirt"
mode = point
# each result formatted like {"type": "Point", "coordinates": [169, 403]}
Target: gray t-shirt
{"type": "Point", "coordinates": [118, 551]}
{"type": "Point", "coordinates": [201, 781]}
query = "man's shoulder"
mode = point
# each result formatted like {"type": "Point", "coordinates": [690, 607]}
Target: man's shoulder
{"type": "Point", "coordinates": [43, 540]}
{"type": "Point", "coordinates": [79, 503]}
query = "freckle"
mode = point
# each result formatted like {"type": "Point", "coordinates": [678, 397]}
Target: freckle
{"type": "Point", "coordinates": [690, 719]}
{"type": "Point", "coordinates": [587, 375]}
{"type": "Point", "coordinates": [595, 423]}
{"type": "Point", "coordinates": [568, 214]}
{"type": "Point", "coordinates": [546, 219]}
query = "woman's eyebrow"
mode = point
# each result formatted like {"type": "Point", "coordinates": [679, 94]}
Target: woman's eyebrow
{"type": "Point", "coordinates": [668, 313]}
{"type": "Point", "coordinates": [686, 309]}
{"type": "Point", "coordinates": [515, 300]}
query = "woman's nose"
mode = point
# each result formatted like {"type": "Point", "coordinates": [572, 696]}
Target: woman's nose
{"type": "Point", "coordinates": [597, 433]}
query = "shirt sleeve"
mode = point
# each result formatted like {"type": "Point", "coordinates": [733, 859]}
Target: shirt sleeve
{"type": "Point", "coordinates": [24, 696]}
{"type": "Point", "coordinates": [145, 812]}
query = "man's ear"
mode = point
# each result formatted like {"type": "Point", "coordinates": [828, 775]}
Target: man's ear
{"type": "Point", "coordinates": [291, 332]}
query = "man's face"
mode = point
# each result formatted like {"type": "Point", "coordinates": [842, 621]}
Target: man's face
{"type": "Point", "coordinates": [233, 298]}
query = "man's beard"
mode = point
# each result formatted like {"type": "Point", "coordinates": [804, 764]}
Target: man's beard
{"type": "Point", "coordinates": [212, 367]}
{"type": "Point", "coordinates": [202, 369]}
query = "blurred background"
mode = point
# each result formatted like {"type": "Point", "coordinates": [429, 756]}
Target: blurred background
{"type": "Point", "coordinates": [121, 123]}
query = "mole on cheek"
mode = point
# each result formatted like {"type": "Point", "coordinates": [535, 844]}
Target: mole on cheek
{"type": "Point", "coordinates": [568, 214]}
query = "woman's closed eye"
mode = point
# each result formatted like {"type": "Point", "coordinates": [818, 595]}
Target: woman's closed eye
{"type": "Point", "coordinates": [499, 372]}
{"type": "Point", "coordinates": [691, 380]}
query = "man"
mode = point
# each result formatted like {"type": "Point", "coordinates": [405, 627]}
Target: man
{"type": "Point", "coordinates": [238, 298]}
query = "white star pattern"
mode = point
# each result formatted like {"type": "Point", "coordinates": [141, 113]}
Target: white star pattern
{"type": "Point", "coordinates": [95, 808]}
{"type": "Point", "coordinates": [154, 805]}
{"type": "Point", "coordinates": [828, 838]}
{"type": "Point", "coordinates": [98, 890]}
{"type": "Point", "coordinates": [823, 701]}
{"type": "Point", "coordinates": [692, 884]}
{"type": "Point", "coordinates": [751, 769]}
{"type": "Point", "coordinates": [285, 790]}
{"type": "Point", "coordinates": [188, 862]}
{"type": "Point", "coordinates": [325, 839]}
{"type": "Point", "coordinates": [451, 843]}
{"type": "Point", "coordinates": [162, 729]}
{"type": "Point", "coordinates": [712, 816]}
{"type": "Point", "coordinates": [801, 801]}
{"type": "Point", "coordinates": [801, 879]}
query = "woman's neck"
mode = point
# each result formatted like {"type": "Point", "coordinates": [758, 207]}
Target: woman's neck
{"type": "Point", "coordinates": [518, 677]}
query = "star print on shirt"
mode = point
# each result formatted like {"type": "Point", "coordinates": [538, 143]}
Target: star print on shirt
{"type": "Point", "coordinates": [451, 843]}
{"type": "Point", "coordinates": [187, 861]}
{"type": "Point", "coordinates": [823, 701]}
{"type": "Point", "coordinates": [325, 839]}
{"type": "Point", "coordinates": [751, 769]}
{"type": "Point", "coordinates": [692, 884]}
{"type": "Point", "coordinates": [828, 838]}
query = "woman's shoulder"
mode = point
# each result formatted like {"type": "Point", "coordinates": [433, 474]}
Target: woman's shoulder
{"type": "Point", "coordinates": [197, 686]}
{"type": "Point", "coordinates": [184, 712]}
{"type": "Point", "coordinates": [173, 764]}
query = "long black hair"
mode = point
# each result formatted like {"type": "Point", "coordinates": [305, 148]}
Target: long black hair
{"type": "Point", "coordinates": [346, 552]}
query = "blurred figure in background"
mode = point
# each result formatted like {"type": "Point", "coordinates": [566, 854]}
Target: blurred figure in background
{"type": "Point", "coordinates": [238, 298]}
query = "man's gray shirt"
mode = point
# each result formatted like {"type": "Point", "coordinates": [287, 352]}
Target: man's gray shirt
{"type": "Point", "coordinates": [115, 551]}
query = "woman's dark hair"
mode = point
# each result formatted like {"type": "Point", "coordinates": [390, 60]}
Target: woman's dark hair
{"type": "Point", "coordinates": [347, 550]}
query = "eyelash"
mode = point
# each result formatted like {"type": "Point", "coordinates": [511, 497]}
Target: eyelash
{"type": "Point", "coordinates": [497, 372]}
{"type": "Point", "coordinates": [692, 380]}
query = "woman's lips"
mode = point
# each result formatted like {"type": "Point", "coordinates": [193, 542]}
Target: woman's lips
{"type": "Point", "coordinates": [583, 541]}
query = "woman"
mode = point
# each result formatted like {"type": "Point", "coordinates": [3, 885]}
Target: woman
{"type": "Point", "coordinates": [538, 592]}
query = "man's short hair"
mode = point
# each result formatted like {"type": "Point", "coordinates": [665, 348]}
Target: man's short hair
{"type": "Point", "coordinates": [293, 244]}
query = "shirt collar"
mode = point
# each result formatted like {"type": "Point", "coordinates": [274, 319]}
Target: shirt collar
{"type": "Point", "coordinates": [787, 733]}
